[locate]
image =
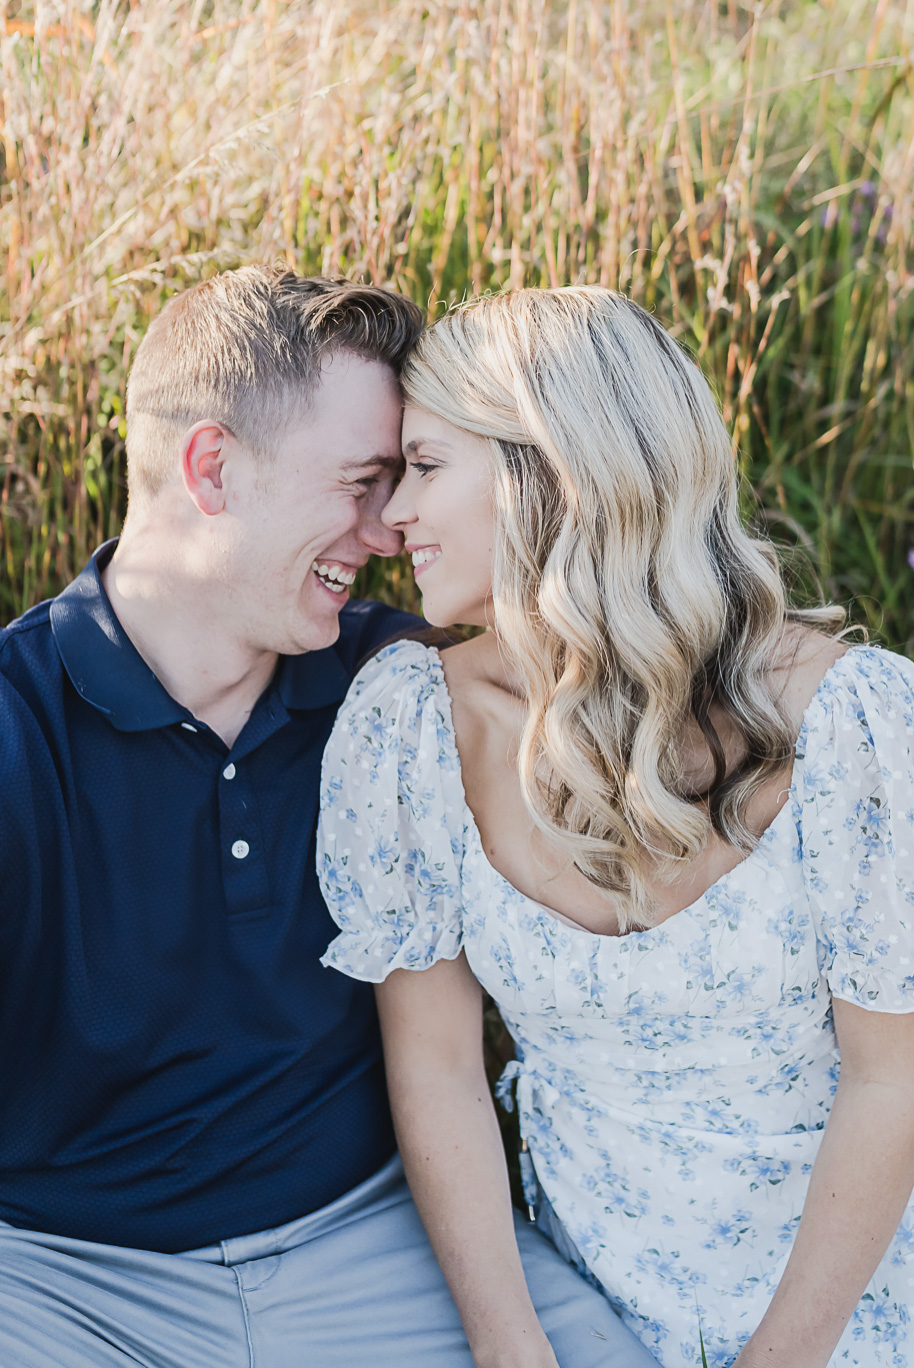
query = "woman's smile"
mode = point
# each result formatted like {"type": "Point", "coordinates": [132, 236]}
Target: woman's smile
{"type": "Point", "coordinates": [422, 557]}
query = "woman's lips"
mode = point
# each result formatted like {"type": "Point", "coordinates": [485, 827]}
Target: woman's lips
{"type": "Point", "coordinates": [423, 557]}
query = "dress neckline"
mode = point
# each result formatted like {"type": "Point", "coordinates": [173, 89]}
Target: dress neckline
{"type": "Point", "coordinates": [561, 918]}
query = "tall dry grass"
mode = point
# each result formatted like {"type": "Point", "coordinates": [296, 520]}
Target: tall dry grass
{"type": "Point", "coordinates": [745, 170]}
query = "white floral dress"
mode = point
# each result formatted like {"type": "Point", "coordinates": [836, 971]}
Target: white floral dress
{"type": "Point", "coordinates": [673, 1083]}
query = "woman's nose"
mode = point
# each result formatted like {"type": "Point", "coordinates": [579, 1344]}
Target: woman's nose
{"type": "Point", "coordinates": [397, 512]}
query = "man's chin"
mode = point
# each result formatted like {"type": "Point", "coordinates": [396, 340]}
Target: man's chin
{"type": "Point", "coordinates": [316, 623]}
{"type": "Point", "coordinates": [317, 635]}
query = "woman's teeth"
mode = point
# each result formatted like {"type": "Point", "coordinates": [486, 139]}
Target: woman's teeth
{"type": "Point", "coordinates": [425, 554]}
{"type": "Point", "coordinates": [334, 576]}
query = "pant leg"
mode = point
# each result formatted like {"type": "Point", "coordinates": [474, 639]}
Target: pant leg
{"type": "Point", "coordinates": [368, 1291]}
{"type": "Point", "coordinates": [71, 1304]}
{"type": "Point", "coordinates": [584, 1330]}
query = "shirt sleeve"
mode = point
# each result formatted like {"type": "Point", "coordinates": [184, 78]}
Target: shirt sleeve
{"type": "Point", "coordinates": [393, 819]}
{"type": "Point", "coordinates": [857, 793]}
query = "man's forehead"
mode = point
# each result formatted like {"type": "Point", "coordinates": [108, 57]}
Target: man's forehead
{"type": "Point", "coordinates": [362, 432]}
{"type": "Point", "coordinates": [359, 395]}
{"type": "Point", "coordinates": [348, 372]}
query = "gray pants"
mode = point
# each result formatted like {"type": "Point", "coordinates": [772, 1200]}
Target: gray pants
{"type": "Point", "coordinates": [355, 1285]}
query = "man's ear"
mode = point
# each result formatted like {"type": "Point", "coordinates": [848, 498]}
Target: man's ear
{"type": "Point", "coordinates": [203, 454]}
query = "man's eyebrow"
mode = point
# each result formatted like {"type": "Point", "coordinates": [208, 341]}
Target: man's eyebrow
{"type": "Point", "coordinates": [372, 462]}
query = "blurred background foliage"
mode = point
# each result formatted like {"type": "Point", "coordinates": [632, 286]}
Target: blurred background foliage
{"type": "Point", "coordinates": [744, 170]}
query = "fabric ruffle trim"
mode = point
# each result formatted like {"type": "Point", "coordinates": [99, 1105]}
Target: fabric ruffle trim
{"type": "Point", "coordinates": [372, 953]}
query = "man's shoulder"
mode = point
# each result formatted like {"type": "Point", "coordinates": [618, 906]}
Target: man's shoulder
{"type": "Point", "coordinates": [32, 687]}
{"type": "Point", "coordinates": [29, 673]}
{"type": "Point", "coordinates": [26, 645]}
{"type": "Point", "coordinates": [366, 626]}
{"type": "Point", "coordinates": [33, 619]}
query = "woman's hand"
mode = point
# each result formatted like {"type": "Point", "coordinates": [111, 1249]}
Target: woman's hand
{"type": "Point", "coordinates": [860, 1185]}
{"type": "Point", "coordinates": [535, 1353]}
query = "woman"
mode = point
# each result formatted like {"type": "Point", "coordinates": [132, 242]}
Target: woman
{"type": "Point", "coordinates": [665, 821]}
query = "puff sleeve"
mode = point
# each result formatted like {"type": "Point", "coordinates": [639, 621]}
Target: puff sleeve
{"type": "Point", "coordinates": [393, 819]}
{"type": "Point", "coordinates": [856, 788]}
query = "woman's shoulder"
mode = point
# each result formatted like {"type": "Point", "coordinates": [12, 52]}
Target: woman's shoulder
{"type": "Point", "coordinates": [390, 838]}
{"type": "Point", "coordinates": [854, 784]}
{"type": "Point", "coordinates": [813, 672]}
{"type": "Point", "coordinates": [477, 677]}
{"type": "Point", "coordinates": [408, 668]}
{"type": "Point", "coordinates": [487, 714]}
{"type": "Point", "coordinates": [860, 703]}
{"type": "Point", "coordinates": [397, 717]}
{"type": "Point", "coordinates": [802, 662]}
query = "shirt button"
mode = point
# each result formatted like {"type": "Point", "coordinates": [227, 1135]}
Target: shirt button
{"type": "Point", "coordinates": [240, 849]}
{"type": "Point", "coordinates": [187, 727]}
{"type": "Point", "coordinates": [229, 771]}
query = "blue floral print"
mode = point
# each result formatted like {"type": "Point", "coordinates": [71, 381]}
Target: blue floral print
{"type": "Point", "coordinates": [672, 1084]}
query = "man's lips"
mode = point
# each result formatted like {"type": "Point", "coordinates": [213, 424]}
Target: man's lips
{"type": "Point", "coordinates": [334, 575]}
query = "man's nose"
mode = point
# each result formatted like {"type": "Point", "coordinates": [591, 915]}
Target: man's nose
{"type": "Point", "coordinates": [380, 539]}
{"type": "Point", "coordinates": [381, 535]}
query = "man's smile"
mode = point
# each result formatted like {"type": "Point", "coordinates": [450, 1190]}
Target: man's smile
{"type": "Point", "coordinates": [334, 575]}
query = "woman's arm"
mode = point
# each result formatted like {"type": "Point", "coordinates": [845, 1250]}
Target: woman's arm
{"type": "Point", "coordinates": [860, 1185]}
{"type": "Point", "coordinates": [431, 1021]}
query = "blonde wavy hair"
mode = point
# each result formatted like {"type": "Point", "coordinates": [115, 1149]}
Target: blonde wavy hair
{"type": "Point", "coordinates": [627, 595]}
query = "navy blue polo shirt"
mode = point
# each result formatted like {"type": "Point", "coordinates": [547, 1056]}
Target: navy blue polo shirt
{"type": "Point", "coordinates": [176, 1067]}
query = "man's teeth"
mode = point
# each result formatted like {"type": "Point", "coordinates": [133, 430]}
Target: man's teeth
{"type": "Point", "coordinates": [423, 555]}
{"type": "Point", "coordinates": [334, 576]}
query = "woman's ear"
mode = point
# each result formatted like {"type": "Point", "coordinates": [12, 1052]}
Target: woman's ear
{"type": "Point", "coordinates": [203, 455]}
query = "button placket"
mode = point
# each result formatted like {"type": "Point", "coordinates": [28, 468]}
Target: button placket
{"type": "Point", "coordinates": [244, 872]}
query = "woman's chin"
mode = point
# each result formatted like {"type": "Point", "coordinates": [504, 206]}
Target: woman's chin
{"type": "Point", "coordinates": [442, 614]}
{"type": "Point", "coordinates": [435, 618]}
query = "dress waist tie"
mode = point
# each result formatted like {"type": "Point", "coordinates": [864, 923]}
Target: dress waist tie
{"type": "Point", "coordinates": [532, 1092]}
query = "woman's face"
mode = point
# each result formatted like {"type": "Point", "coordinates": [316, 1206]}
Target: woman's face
{"type": "Point", "coordinates": [443, 506]}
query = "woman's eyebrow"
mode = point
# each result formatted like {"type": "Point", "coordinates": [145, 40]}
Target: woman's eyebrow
{"type": "Point", "coordinates": [412, 447]}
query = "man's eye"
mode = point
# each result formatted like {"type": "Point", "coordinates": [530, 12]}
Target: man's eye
{"type": "Point", "coordinates": [369, 482]}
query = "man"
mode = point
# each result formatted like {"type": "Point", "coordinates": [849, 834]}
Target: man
{"type": "Point", "coordinates": [196, 1157]}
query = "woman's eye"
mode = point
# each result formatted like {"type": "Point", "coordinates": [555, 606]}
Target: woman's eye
{"type": "Point", "coordinates": [422, 467]}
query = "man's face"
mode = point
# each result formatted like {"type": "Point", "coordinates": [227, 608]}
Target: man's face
{"type": "Point", "coordinates": [303, 524]}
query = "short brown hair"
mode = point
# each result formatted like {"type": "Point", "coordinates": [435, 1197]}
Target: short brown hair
{"type": "Point", "coordinates": [244, 349]}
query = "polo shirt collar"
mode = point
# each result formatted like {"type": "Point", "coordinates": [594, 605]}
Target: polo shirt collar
{"type": "Point", "coordinates": [109, 673]}
{"type": "Point", "coordinates": [104, 666]}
